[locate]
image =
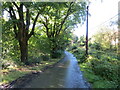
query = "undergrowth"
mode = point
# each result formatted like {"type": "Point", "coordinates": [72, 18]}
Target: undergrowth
{"type": "Point", "coordinates": [100, 68]}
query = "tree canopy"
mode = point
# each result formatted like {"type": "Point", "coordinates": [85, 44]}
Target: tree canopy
{"type": "Point", "coordinates": [51, 20]}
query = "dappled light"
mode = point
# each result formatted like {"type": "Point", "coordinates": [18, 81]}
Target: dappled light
{"type": "Point", "coordinates": [60, 76]}
{"type": "Point", "coordinates": [40, 49]}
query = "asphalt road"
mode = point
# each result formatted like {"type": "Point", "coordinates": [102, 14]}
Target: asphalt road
{"type": "Point", "coordinates": [66, 74]}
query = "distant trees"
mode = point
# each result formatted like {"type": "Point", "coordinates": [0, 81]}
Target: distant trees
{"type": "Point", "coordinates": [106, 37]}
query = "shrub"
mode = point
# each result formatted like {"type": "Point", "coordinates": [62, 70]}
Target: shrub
{"type": "Point", "coordinates": [45, 58]}
{"type": "Point", "coordinates": [105, 69]}
{"type": "Point", "coordinates": [74, 47]}
{"type": "Point", "coordinates": [34, 60]}
{"type": "Point", "coordinates": [57, 54]}
{"type": "Point", "coordinates": [96, 46]}
{"type": "Point", "coordinates": [104, 84]}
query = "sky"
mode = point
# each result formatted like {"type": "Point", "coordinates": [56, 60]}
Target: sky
{"type": "Point", "coordinates": [100, 13]}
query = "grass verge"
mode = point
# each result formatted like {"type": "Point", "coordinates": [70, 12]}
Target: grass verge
{"type": "Point", "coordinates": [10, 74]}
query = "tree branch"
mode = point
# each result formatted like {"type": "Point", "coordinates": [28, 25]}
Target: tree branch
{"type": "Point", "coordinates": [27, 19]}
{"type": "Point", "coordinates": [20, 11]}
{"type": "Point", "coordinates": [62, 22]}
{"type": "Point", "coordinates": [13, 17]}
{"type": "Point", "coordinates": [65, 28]}
{"type": "Point", "coordinates": [12, 13]}
{"type": "Point", "coordinates": [15, 31]}
{"type": "Point", "coordinates": [47, 29]}
{"type": "Point", "coordinates": [33, 28]}
{"type": "Point", "coordinates": [15, 5]}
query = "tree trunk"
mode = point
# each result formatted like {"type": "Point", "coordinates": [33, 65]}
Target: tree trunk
{"type": "Point", "coordinates": [24, 50]}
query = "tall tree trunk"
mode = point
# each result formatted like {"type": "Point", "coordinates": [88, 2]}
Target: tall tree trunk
{"type": "Point", "coordinates": [23, 42]}
{"type": "Point", "coordinates": [24, 50]}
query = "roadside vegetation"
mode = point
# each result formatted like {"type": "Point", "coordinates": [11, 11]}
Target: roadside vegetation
{"type": "Point", "coordinates": [101, 67]}
{"type": "Point", "coordinates": [35, 35]}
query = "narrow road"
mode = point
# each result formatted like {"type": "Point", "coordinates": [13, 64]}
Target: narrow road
{"type": "Point", "coordinates": [65, 74]}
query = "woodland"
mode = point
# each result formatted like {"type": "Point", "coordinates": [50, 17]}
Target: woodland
{"type": "Point", "coordinates": [36, 34]}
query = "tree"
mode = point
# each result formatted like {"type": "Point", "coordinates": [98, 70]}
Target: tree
{"type": "Point", "coordinates": [21, 16]}
{"type": "Point", "coordinates": [105, 36]}
{"type": "Point", "coordinates": [59, 18]}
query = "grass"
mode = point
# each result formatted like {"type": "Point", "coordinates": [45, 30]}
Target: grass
{"type": "Point", "coordinates": [12, 76]}
{"type": "Point", "coordinates": [89, 74]}
{"type": "Point", "coordinates": [96, 80]}
{"type": "Point", "coordinates": [9, 75]}
{"type": "Point", "coordinates": [104, 84]}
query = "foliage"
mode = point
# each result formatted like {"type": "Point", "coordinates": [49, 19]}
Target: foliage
{"type": "Point", "coordinates": [20, 18]}
{"type": "Point", "coordinates": [79, 54]}
{"type": "Point", "coordinates": [51, 32]}
{"type": "Point", "coordinates": [105, 38]}
{"type": "Point", "coordinates": [60, 19]}
{"type": "Point", "coordinates": [34, 32]}
{"type": "Point", "coordinates": [13, 76]}
{"type": "Point", "coordinates": [96, 46]}
{"type": "Point", "coordinates": [102, 69]}
{"type": "Point", "coordinates": [104, 84]}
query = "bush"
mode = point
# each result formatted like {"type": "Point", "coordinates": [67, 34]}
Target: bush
{"type": "Point", "coordinates": [45, 58]}
{"type": "Point", "coordinates": [105, 69]}
{"type": "Point", "coordinates": [57, 54]}
{"type": "Point", "coordinates": [96, 46]}
{"type": "Point", "coordinates": [80, 55]}
{"type": "Point", "coordinates": [34, 60]}
{"type": "Point", "coordinates": [74, 47]}
{"type": "Point", "coordinates": [104, 84]}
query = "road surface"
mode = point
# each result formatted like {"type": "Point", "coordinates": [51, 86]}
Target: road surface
{"type": "Point", "coordinates": [66, 74]}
